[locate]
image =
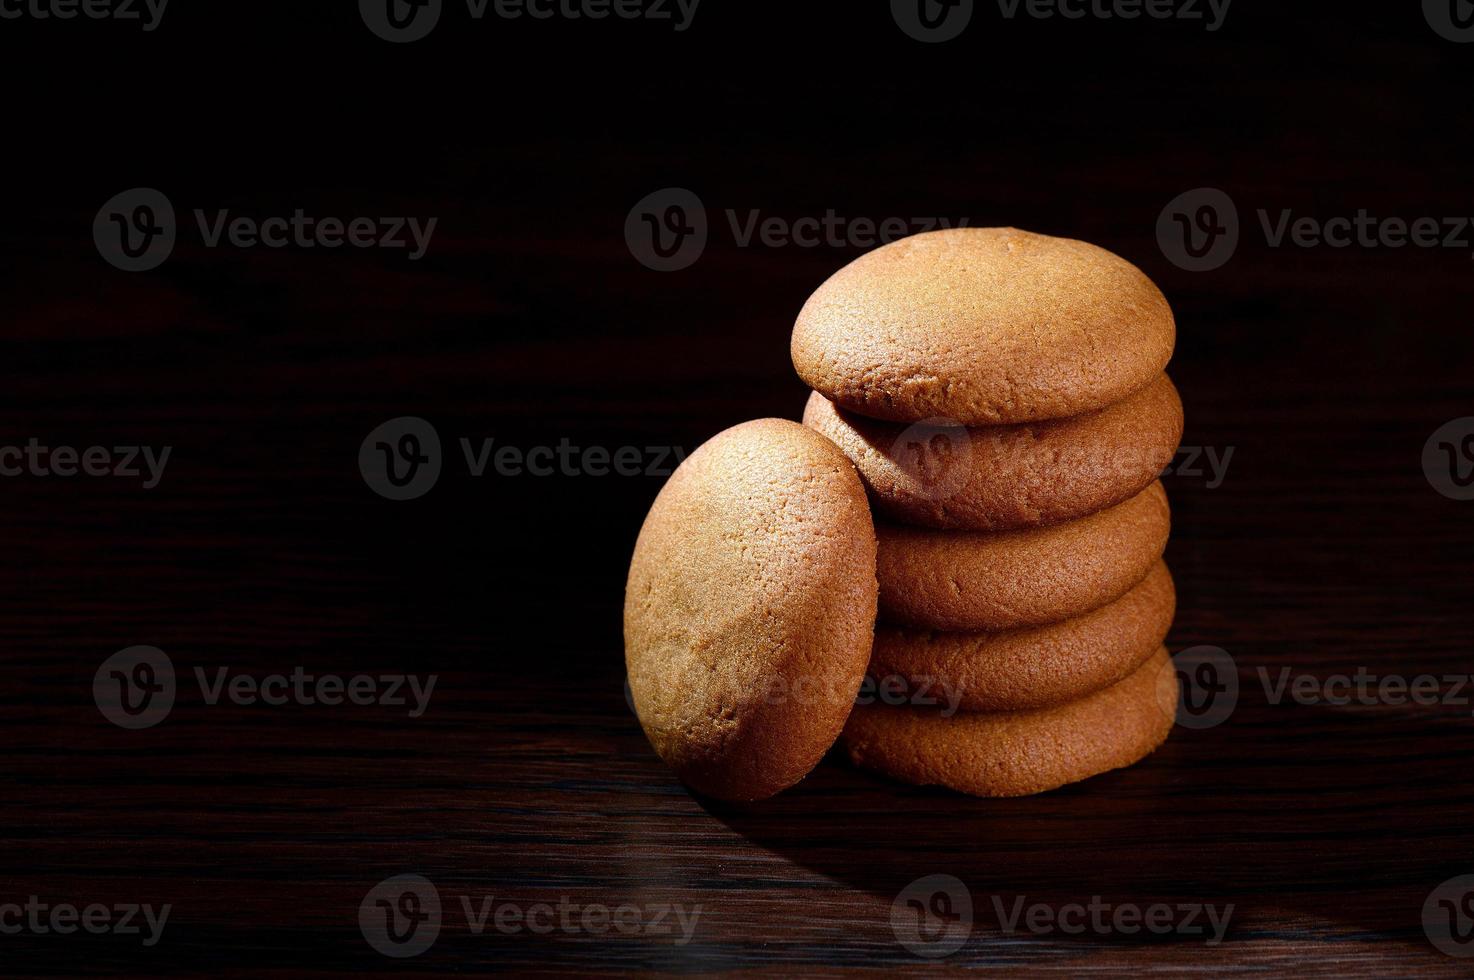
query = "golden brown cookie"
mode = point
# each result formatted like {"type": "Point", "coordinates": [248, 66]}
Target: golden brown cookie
{"type": "Point", "coordinates": [750, 607]}
{"type": "Point", "coordinates": [977, 580]}
{"type": "Point", "coordinates": [1016, 753]}
{"type": "Point", "coordinates": [1034, 666]}
{"type": "Point", "coordinates": [997, 478]}
{"type": "Point", "coordinates": [983, 326]}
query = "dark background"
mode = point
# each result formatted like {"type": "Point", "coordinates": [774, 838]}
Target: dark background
{"type": "Point", "coordinates": [529, 321]}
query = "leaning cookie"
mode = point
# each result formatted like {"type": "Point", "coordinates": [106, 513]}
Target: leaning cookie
{"type": "Point", "coordinates": [1031, 667]}
{"type": "Point", "coordinates": [944, 475]}
{"type": "Point", "coordinates": [750, 607]}
{"type": "Point", "coordinates": [1018, 753]}
{"type": "Point", "coordinates": [975, 580]}
{"type": "Point", "coordinates": [986, 326]}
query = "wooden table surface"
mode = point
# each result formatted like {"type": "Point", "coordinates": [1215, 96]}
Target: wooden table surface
{"type": "Point", "coordinates": [1324, 550]}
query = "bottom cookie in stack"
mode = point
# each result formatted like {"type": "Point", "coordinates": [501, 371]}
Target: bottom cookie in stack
{"type": "Point", "coordinates": [1018, 753]}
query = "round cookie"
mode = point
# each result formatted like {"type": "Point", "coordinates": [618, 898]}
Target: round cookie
{"type": "Point", "coordinates": [1017, 753]}
{"type": "Point", "coordinates": [983, 326]}
{"type": "Point", "coordinates": [975, 580]}
{"type": "Point", "coordinates": [1031, 667]}
{"type": "Point", "coordinates": [998, 478]}
{"type": "Point", "coordinates": [749, 609]}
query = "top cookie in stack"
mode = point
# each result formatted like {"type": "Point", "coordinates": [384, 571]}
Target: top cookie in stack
{"type": "Point", "coordinates": [985, 326]}
{"type": "Point", "coordinates": [1025, 372]}
{"type": "Point", "coordinates": [1003, 397]}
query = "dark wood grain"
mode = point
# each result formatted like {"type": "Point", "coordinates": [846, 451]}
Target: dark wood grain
{"type": "Point", "coordinates": [527, 780]}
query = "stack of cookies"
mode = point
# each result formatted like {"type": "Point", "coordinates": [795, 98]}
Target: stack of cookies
{"type": "Point", "coordinates": [978, 468]}
{"type": "Point", "coordinates": [1003, 397]}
